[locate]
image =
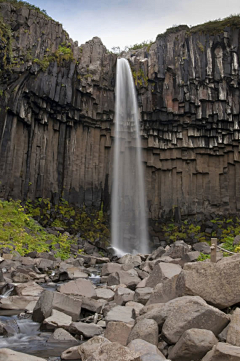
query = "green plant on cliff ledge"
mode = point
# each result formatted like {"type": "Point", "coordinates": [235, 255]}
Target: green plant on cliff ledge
{"type": "Point", "coordinates": [140, 79]}
{"type": "Point", "coordinates": [217, 26]}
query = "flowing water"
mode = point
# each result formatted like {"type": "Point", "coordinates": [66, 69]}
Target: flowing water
{"type": "Point", "coordinates": [129, 221]}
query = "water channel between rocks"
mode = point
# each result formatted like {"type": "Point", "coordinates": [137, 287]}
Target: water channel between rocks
{"type": "Point", "coordinates": [29, 338]}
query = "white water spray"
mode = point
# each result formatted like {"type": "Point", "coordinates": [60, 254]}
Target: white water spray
{"type": "Point", "coordinates": [129, 221]}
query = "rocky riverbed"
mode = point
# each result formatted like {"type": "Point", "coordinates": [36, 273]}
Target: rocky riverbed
{"type": "Point", "coordinates": [162, 306]}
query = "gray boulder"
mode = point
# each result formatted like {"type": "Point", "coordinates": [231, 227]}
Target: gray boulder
{"type": "Point", "coordinates": [120, 313]}
{"type": "Point", "coordinates": [87, 349]}
{"type": "Point", "coordinates": [109, 268]}
{"type": "Point", "coordinates": [217, 283]}
{"type": "Point", "coordinates": [123, 295]}
{"type": "Point", "coordinates": [86, 329]}
{"type": "Point", "coordinates": [193, 345]}
{"type": "Point", "coordinates": [79, 287]}
{"type": "Point", "coordinates": [142, 347]}
{"type": "Point", "coordinates": [124, 278]}
{"type": "Point", "coordinates": [70, 354]}
{"type": "Point", "coordinates": [233, 334]}
{"type": "Point", "coordinates": [10, 355]}
{"type": "Point", "coordinates": [146, 329]}
{"type": "Point", "coordinates": [195, 313]}
{"type": "Point", "coordinates": [223, 352]}
{"type": "Point", "coordinates": [57, 320]}
{"type": "Point", "coordinates": [118, 332]}
{"type": "Point", "coordinates": [161, 272]}
{"type": "Point", "coordinates": [61, 335]}
{"type": "Point", "coordinates": [164, 292]}
{"type": "Point", "coordinates": [113, 351]}
{"type": "Point", "coordinates": [142, 295]}
{"type": "Point", "coordinates": [54, 300]}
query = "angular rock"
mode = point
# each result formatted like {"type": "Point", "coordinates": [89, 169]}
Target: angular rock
{"type": "Point", "coordinates": [151, 357]}
{"type": "Point", "coordinates": [159, 252]}
{"type": "Point", "coordinates": [123, 278]}
{"type": "Point", "coordinates": [16, 302]}
{"type": "Point", "coordinates": [118, 332]}
{"type": "Point", "coordinates": [217, 283]}
{"type": "Point", "coordinates": [135, 306]}
{"type": "Point", "coordinates": [142, 295]}
{"type": "Point", "coordinates": [120, 313]}
{"type": "Point", "coordinates": [79, 287]}
{"type": "Point", "coordinates": [29, 289]}
{"type": "Point", "coordinates": [146, 329]}
{"type": "Point", "coordinates": [161, 272]}
{"type": "Point", "coordinates": [87, 349]}
{"type": "Point", "coordinates": [109, 268]}
{"type": "Point", "coordinates": [190, 257]}
{"type": "Point", "coordinates": [54, 300]}
{"type": "Point", "coordinates": [75, 273]}
{"type": "Point", "coordinates": [86, 329]}
{"type": "Point", "coordinates": [135, 260]}
{"type": "Point", "coordinates": [193, 345]}
{"type": "Point", "coordinates": [113, 351]}
{"type": "Point", "coordinates": [61, 335]}
{"type": "Point", "coordinates": [123, 295]}
{"type": "Point", "coordinates": [177, 250]}
{"type": "Point", "coordinates": [57, 320]}
{"type": "Point", "coordinates": [93, 305]}
{"type": "Point", "coordinates": [164, 292]}
{"type": "Point", "coordinates": [194, 313]}
{"type": "Point", "coordinates": [142, 347]}
{"type": "Point", "coordinates": [202, 247]}
{"type": "Point", "coordinates": [233, 332]}
{"type": "Point", "coordinates": [70, 354]}
{"type": "Point", "coordinates": [223, 352]}
{"type": "Point", "coordinates": [9, 355]}
{"type": "Point", "coordinates": [105, 294]}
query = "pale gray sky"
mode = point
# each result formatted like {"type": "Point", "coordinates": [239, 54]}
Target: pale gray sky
{"type": "Point", "coordinates": [127, 22]}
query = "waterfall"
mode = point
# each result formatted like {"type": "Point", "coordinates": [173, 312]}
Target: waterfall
{"type": "Point", "coordinates": [129, 221]}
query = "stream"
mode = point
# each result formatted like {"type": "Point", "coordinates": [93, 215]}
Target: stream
{"type": "Point", "coordinates": [28, 338]}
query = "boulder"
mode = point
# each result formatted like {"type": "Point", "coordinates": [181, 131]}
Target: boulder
{"type": "Point", "coordinates": [123, 278]}
{"type": "Point", "coordinates": [123, 295]}
{"type": "Point", "coordinates": [161, 272]}
{"type": "Point", "coordinates": [142, 347]}
{"type": "Point", "coordinates": [217, 283]}
{"type": "Point", "coordinates": [157, 253]}
{"type": "Point", "coordinates": [87, 349]}
{"type": "Point", "coordinates": [193, 345]}
{"type": "Point", "coordinates": [134, 260]}
{"type": "Point", "coordinates": [93, 305]}
{"type": "Point", "coordinates": [223, 352]}
{"type": "Point", "coordinates": [195, 313]}
{"type": "Point", "coordinates": [145, 329]}
{"type": "Point", "coordinates": [233, 334]}
{"type": "Point", "coordinates": [53, 300]}
{"type": "Point", "coordinates": [16, 302]}
{"type": "Point", "coordinates": [202, 247]}
{"type": "Point", "coordinates": [113, 351]}
{"type": "Point", "coordinates": [70, 354]}
{"type": "Point", "coordinates": [61, 335]}
{"type": "Point", "coordinates": [79, 287]}
{"type": "Point", "coordinates": [75, 273]}
{"type": "Point", "coordinates": [151, 357]}
{"type": "Point", "coordinates": [56, 320]}
{"type": "Point", "coordinates": [105, 294]}
{"type": "Point", "coordinates": [120, 313]}
{"type": "Point", "coordinates": [142, 295]}
{"type": "Point", "coordinates": [190, 257]}
{"type": "Point", "coordinates": [118, 332]}
{"type": "Point", "coordinates": [178, 249]}
{"type": "Point", "coordinates": [109, 268]}
{"type": "Point", "coordinates": [86, 329]}
{"type": "Point", "coordinates": [135, 306]}
{"type": "Point", "coordinates": [164, 292]}
{"type": "Point", "coordinates": [29, 289]}
{"type": "Point", "coordinates": [10, 355]}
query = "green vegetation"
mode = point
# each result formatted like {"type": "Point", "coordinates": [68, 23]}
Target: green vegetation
{"type": "Point", "coordinates": [92, 224]}
{"type": "Point", "coordinates": [62, 54]}
{"type": "Point", "coordinates": [203, 257]}
{"type": "Point", "coordinates": [140, 78]}
{"type": "Point", "coordinates": [6, 39]}
{"type": "Point", "coordinates": [217, 26]}
{"type": "Point", "coordinates": [18, 4]}
{"type": "Point", "coordinates": [20, 232]}
{"type": "Point", "coordinates": [174, 29]}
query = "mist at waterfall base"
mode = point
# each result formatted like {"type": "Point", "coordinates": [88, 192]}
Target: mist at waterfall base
{"type": "Point", "coordinates": [128, 221]}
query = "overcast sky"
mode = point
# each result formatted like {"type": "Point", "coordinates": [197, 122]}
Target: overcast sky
{"type": "Point", "coordinates": [127, 22]}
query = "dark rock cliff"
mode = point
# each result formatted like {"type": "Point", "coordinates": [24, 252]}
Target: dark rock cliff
{"type": "Point", "coordinates": [57, 109]}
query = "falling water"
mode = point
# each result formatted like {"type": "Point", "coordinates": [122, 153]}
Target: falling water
{"type": "Point", "coordinates": [129, 221]}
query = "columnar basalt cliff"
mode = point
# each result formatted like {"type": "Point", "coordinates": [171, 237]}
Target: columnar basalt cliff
{"type": "Point", "coordinates": [57, 110]}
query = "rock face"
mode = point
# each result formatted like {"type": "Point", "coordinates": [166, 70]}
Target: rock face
{"type": "Point", "coordinates": [56, 118]}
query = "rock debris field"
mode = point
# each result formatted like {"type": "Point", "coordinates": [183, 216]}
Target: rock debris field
{"type": "Point", "coordinates": [162, 306]}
